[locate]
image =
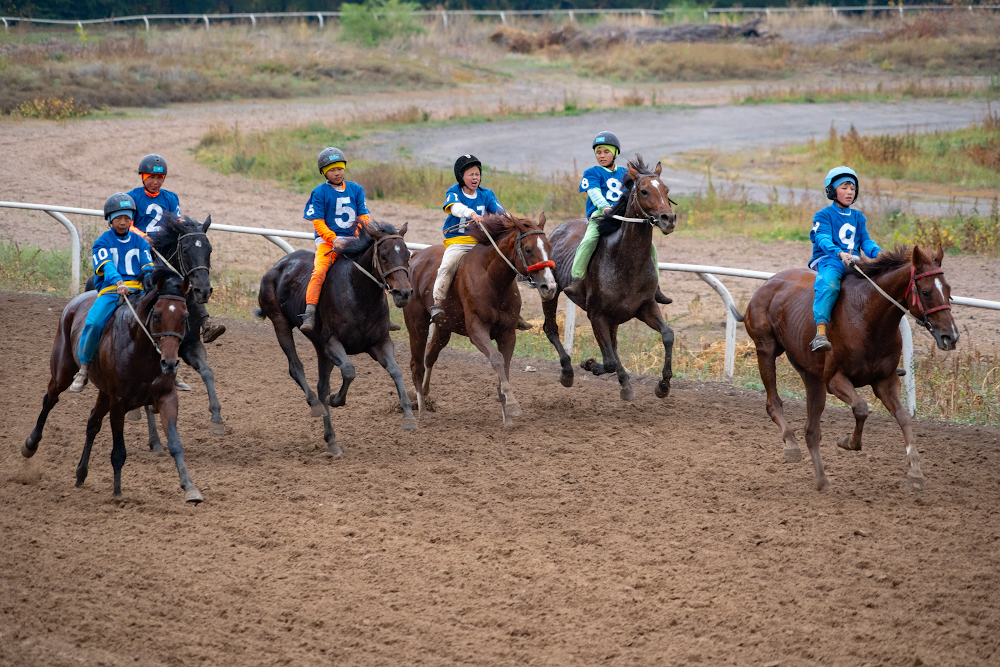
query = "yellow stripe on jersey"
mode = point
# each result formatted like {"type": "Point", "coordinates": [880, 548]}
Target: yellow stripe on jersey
{"type": "Point", "coordinates": [131, 284]}
{"type": "Point", "coordinates": [459, 239]}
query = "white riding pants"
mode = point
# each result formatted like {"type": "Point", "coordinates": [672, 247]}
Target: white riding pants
{"type": "Point", "coordinates": [449, 264]}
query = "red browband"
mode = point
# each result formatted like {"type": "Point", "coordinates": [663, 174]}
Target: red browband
{"type": "Point", "coordinates": [911, 290]}
{"type": "Point", "coordinates": [549, 264]}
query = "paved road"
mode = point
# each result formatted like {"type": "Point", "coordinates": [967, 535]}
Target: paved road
{"type": "Point", "coordinates": [551, 145]}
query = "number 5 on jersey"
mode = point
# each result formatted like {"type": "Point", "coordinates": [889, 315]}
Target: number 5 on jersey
{"type": "Point", "coordinates": [344, 210]}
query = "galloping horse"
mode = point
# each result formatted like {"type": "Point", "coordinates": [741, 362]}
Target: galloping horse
{"type": "Point", "coordinates": [621, 280]}
{"type": "Point", "coordinates": [866, 341]}
{"type": "Point", "coordinates": [352, 317]}
{"type": "Point", "coordinates": [184, 243]}
{"type": "Point", "coordinates": [483, 302]}
{"type": "Point", "coordinates": [129, 371]}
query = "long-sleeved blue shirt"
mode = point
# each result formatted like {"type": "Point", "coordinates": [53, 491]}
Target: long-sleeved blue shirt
{"type": "Point", "coordinates": [836, 230]}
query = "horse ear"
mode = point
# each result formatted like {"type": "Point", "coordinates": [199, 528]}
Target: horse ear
{"type": "Point", "coordinates": [632, 172]}
{"type": "Point", "coordinates": [658, 169]}
{"type": "Point", "coordinates": [185, 286]}
{"type": "Point", "coordinates": [541, 220]}
{"type": "Point", "coordinates": [939, 255]}
{"type": "Point", "coordinates": [402, 230]}
{"type": "Point", "coordinates": [915, 256]}
{"type": "Point", "coordinates": [208, 223]}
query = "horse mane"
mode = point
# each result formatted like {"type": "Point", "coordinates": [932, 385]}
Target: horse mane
{"type": "Point", "coordinates": [170, 229]}
{"type": "Point", "coordinates": [606, 224]}
{"type": "Point", "coordinates": [172, 281]}
{"type": "Point", "coordinates": [359, 245]}
{"type": "Point", "coordinates": [888, 261]}
{"type": "Point", "coordinates": [498, 225]}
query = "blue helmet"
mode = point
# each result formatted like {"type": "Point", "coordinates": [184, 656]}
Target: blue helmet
{"type": "Point", "coordinates": [838, 175]}
{"type": "Point", "coordinates": [117, 204]}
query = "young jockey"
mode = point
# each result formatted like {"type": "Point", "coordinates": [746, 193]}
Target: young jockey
{"type": "Point", "coordinates": [603, 185]}
{"type": "Point", "coordinates": [839, 237]}
{"type": "Point", "coordinates": [465, 202]}
{"type": "Point", "coordinates": [151, 202]}
{"type": "Point", "coordinates": [335, 208]}
{"type": "Point", "coordinates": [121, 257]}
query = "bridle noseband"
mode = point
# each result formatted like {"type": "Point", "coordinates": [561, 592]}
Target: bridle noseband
{"type": "Point", "coordinates": [633, 198]}
{"type": "Point", "coordinates": [377, 264]}
{"type": "Point", "coordinates": [180, 255]}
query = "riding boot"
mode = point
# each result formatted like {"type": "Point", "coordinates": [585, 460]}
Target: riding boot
{"type": "Point", "coordinates": [820, 343]}
{"type": "Point", "coordinates": [575, 289]}
{"type": "Point", "coordinates": [394, 327]}
{"type": "Point", "coordinates": [210, 332]}
{"type": "Point", "coordinates": [308, 319]}
{"type": "Point", "coordinates": [79, 381]}
{"type": "Point", "coordinates": [661, 297]}
{"type": "Point", "coordinates": [522, 324]}
{"type": "Point", "coordinates": [437, 312]}
{"type": "Point", "coordinates": [181, 386]}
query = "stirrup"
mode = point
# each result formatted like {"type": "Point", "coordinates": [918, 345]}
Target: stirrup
{"type": "Point", "coordinates": [662, 298]}
{"type": "Point", "coordinates": [308, 322]}
{"type": "Point", "coordinates": [575, 288]}
{"type": "Point", "coordinates": [210, 332]}
{"type": "Point", "coordinates": [79, 381]}
{"type": "Point", "coordinates": [820, 344]}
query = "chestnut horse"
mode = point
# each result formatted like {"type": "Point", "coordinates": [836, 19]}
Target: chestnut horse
{"type": "Point", "coordinates": [352, 316]}
{"type": "Point", "coordinates": [483, 302]}
{"type": "Point", "coordinates": [129, 371]}
{"type": "Point", "coordinates": [621, 280]}
{"type": "Point", "coordinates": [864, 331]}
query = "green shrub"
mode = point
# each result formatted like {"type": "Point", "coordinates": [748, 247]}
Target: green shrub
{"type": "Point", "coordinates": [378, 20]}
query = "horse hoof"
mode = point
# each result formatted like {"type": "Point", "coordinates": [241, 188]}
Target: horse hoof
{"type": "Point", "coordinates": [27, 451]}
{"type": "Point", "coordinates": [409, 424]}
{"type": "Point", "coordinates": [627, 394]}
{"type": "Point", "coordinates": [513, 408]}
{"type": "Point", "coordinates": [334, 448]}
{"type": "Point", "coordinates": [193, 496]}
{"type": "Point", "coordinates": [317, 410]}
{"type": "Point", "coordinates": [792, 455]}
{"type": "Point", "coordinates": [219, 429]}
{"type": "Point", "coordinates": [823, 485]}
{"type": "Point", "coordinates": [915, 481]}
{"type": "Point", "coordinates": [662, 389]}
{"type": "Point", "coordinates": [134, 415]}
{"type": "Point", "coordinates": [79, 482]}
{"type": "Point", "coordinates": [591, 365]}
{"type": "Point", "coordinates": [566, 380]}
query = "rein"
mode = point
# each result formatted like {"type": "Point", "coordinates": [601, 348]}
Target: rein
{"type": "Point", "coordinates": [377, 264]}
{"type": "Point", "coordinates": [911, 291]}
{"type": "Point", "coordinates": [520, 254]}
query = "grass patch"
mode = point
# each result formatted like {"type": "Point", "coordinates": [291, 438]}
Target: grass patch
{"type": "Point", "coordinates": [52, 108]}
{"type": "Point", "coordinates": [688, 62]}
{"type": "Point", "coordinates": [917, 89]}
{"type": "Point", "coordinates": [24, 269]}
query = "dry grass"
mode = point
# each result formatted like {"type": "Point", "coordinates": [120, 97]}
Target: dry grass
{"type": "Point", "coordinates": [878, 92]}
{"type": "Point", "coordinates": [688, 62]}
{"type": "Point", "coordinates": [52, 109]}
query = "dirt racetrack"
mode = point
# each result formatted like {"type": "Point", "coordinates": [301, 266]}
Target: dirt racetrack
{"type": "Point", "coordinates": [659, 532]}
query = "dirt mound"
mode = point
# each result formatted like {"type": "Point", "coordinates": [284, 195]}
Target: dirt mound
{"type": "Point", "coordinates": [594, 531]}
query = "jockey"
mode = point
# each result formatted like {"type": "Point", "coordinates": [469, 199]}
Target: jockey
{"type": "Point", "coordinates": [121, 257]}
{"type": "Point", "coordinates": [151, 203]}
{"type": "Point", "coordinates": [839, 237]}
{"type": "Point", "coordinates": [603, 184]}
{"type": "Point", "coordinates": [336, 208]}
{"type": "Point", "coordinates": [465, 202]}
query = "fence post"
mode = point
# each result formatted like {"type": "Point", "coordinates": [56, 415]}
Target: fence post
{"type": "Point", "coordinates": [910, 379]}
{"type": "Point", "coordinates": [205, 16]}
{"type": "Point", "coordinates": [901, 11]}
{"type": "Point", "coordinates": [503, 18]}
{"type": "Point", "coordinates": [706, 15]}
{"type": "Point", "coordinates": [146, 22]}
{"type": "Point", "coordinates": [74, 281]}
{"type": "Point", "coordinates": [444, 19]}
{"type": "Point", "coordinates": [834, 10]}
{"type": "Point", "coordinates": [727, 300]}
{"type": "Point", "coordinates": [320, 17]}
{"type": "Point", "coordinates": [572, 18]}
{"type": "Point", "coordinates": [570, 329]}
{"type": "Point", "coordinates": [253, 22]}
{"type": "Point", "coordinates": [6, 28]}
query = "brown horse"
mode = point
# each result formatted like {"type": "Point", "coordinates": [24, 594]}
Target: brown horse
{"type": "Point", "coordinates": [129, 371]}
{"type": "Point", "coordinates": [621, 281]}
{"type": "Point", "coordinates": [864, 331]}
{"type": "Point", "coordinates": [483, 302]}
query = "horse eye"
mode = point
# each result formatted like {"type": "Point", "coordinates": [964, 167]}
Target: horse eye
{"type": "Point", "coordinates": [529, 249]}
{"type": "Point", "coordinates": [644, 192]}
{"type": "Point", "coordinates": [926, 292]}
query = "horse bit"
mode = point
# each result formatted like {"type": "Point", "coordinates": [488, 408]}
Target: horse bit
{"type": "Point", "coordinates": [526, 276]}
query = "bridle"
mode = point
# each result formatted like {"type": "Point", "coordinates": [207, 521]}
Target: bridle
{"type": "Point", "coordinates": [633, 200]}
{"type": "Point", "coordinates": [184, 272]}
{"type": "Point", "coordinates": [377, 264]}
{"type": "Point", "coordinates": [519, 253]}
{"type": "Point", "coordinates": [911, 294]}
{"type": "Point", "coordinates": [146, 327]}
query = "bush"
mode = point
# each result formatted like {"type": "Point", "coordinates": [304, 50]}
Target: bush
{"type": "Point", "coordinates": [378, 20]}
{"type": "Point", "coordinates": [52, 108]}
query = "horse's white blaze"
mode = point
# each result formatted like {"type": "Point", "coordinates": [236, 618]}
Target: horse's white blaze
{"type": "Point", "coordinates": [550, 277]}
{"type": "Point", "coordinates": [940, 288]}
{"type": "Point", "coordinates": [172, 309]}
{"type": "Point", "coordinates": [197, 244]}
{"type": "Point", "coordinates": [656, 184]}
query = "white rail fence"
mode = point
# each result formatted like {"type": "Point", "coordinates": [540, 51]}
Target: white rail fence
{"type": "Point", "coordinates": [706, 273]}
{"type": "Point", "coordinates": [501, 14]}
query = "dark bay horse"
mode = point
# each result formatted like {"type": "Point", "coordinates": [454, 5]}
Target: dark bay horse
{"type": "Point", "coordinates": [352, 316]}
{"type": "Point", "coordinates": [620, 283]}
{"type": "Point", "coordinates": [128, 371]}
{"type": "Point", "coordinates": [867, 344]}
{"type": "Point", "coordinates": [483, 302]}
{"type": "Point", "coordinates": [184, 243]}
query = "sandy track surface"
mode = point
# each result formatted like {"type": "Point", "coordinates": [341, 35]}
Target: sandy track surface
{"type": "Point", "coordinates": [657, 532]}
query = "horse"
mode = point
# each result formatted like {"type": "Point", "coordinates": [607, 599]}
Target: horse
{"type": "Point", "coordinates": [621, 279]}
{"type": "Point", "coordinates": [483, 301]}
{"type": "Point", "coordinates": [864, 331]}
{"type": "Point", "coordinates": [183, 242]}
{"type": "Point", "coordinates": [135, 366]}
{"type": "Point", "coordinates": [352, 316]}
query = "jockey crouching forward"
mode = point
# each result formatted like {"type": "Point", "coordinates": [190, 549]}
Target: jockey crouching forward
{"type": "Point", "coordinates": [121, 258]}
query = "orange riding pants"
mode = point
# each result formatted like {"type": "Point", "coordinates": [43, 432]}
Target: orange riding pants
{"type": "Point", "coordinates": [321, 264]}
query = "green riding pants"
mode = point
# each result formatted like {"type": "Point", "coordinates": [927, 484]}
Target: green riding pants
{"type": "Point", "coordinates": [586, 250]}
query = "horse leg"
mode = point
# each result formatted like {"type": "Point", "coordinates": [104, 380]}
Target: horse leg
{"type": "Point", "coordinates": [325, 363]}
{"type": "Point", "coordinates": [843, 389]}
{"type": "Point", "coordinates": [768, 350]}
{"type": "Point", "coordinates": [168, 418]}
{"type": "Point", "coordinates": [551, 329]}
{"type": "Point", "coordinates": [438, 343]}
{"type": "Point", "coordinates": [650, 314]}
{"type": "Point", "coordinates": [154, 437]}
{"type": "Point", "coordinates": [815, 402]}
{"type": "Point", "coordinates": [888, 392]}
{"type": "Point", "coordinates": [197, 358]}
{"type": "Point", "coordinates": [335, 350]}
{"type": "Point", "coordinates": [506, 343]}
{"type": "Point", "coordinates": [118, 453]}
{"type": "Point", "coordinates": [284, 333]}
{"type": "Point", "coordinates": [418, 327]}
{"type": "Point", "coordinates": [604, 333]}
{"type": "Point", "coordinates": [479, 334]}
{"type": "Point", "coordinates": [49, 401]}
{"type": "Point", "coordinates": [93, 428]}
{"type": "Point", "coordinates": [64, 365]}
{"type": "Point", "coordinates": [383, 353]}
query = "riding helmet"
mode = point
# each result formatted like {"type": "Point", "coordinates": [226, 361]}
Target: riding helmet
{"type": "Point", "coordinates": [608, 139]}
{"type": "Point", "coordinates": [328, 156]}
{"type": "Point", "coordinates": [838, 175]}
{"type": "Point", "coordinates": [463, 164]}
{"type": "Point", "coordinates": [117, 204]}
{"type": "Point", "coordinates": [153, 164]}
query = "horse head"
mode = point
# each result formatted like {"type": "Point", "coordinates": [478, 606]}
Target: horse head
{"type": "Point", "coordinates": [534, 252]}
{"type": "Point", "coordinates": [649, 196]}
{"type": "Point", "coordinates": [391, 260]}
{"type": "Point", "coordinates": [167, 316]}
{"type": "Point", "coordinates": [184, 242]}
{"type": "Point", "coordinates": [929, 297]}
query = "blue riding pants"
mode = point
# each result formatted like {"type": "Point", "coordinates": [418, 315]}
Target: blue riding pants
{"type": "Point", "coordinates": [100, 313]}
{"type": "Point", "coordinates": [829, 273]}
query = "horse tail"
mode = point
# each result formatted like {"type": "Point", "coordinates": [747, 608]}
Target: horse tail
{"type": "Point", "coordinates": [736, 313]}
{"type": "Point", "coordinates": [259, 313]}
